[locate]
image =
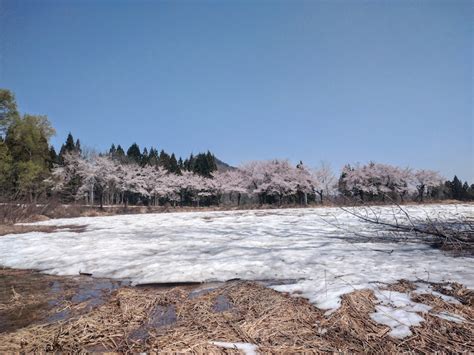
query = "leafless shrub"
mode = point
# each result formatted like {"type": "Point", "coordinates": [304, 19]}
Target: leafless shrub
{"type": "Point", "coordinates": [11, 213]}
{"type": "Point", "coordinates": [446, 231]}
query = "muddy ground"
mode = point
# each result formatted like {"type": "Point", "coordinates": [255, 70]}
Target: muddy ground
{"type": "Point", "coordinates": [40, 312]}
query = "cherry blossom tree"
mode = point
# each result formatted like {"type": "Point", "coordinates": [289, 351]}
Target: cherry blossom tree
{"type": "Point", "coordinates": [376, 179]}
{"type": "Point", "coordinates": [110, 181]}
{"type": "Point", "coordinates": [324, 181]}
{"type": "Point", "coordinates": [425, 181]}
{"type": "Point", "coordinates": [304, 182]}
{"type": "Point", "coordinates": [230, 182]}
{"type": "Point", "coordinates": [270, 178]}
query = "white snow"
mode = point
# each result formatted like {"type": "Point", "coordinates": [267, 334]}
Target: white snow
{"type": "Point", "coordinates": [424, 288]}
{"type": "Point", "coordinates": [398, 311]}
{"type": "Point", "coordinates": [247, 348]}
{"type": "Point", "coordinates": [450, 317]}
{"type": "Point", "coordinates": [301, 244]}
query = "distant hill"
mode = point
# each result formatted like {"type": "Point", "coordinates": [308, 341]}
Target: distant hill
{"type": "Point", "coordinates": [221, 166]}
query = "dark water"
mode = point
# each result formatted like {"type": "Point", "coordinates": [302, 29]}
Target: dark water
{"type": "Point", "coordinates": [29, 297]}
{"type": "Point", "coordinates": [162, 316]}
{"type": "Point", "coordinates": [222, 303]}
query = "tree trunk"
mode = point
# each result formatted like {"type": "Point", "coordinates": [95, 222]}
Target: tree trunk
{"type": "Point", "coordinates": [92, 195]}
{"type": "Point", "coordinates": [101, 200]}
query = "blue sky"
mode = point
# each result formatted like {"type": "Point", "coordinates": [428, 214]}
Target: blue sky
{"type": "Point", "coordinates": [339, 81]}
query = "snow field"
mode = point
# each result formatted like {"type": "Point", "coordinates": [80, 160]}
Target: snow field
{"type": "Point", "coordinates": [304, 245]}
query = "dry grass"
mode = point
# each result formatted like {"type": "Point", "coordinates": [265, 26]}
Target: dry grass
{"type": "Point", "coordinates": [276, 322]}
{"type": "Point", "coordinates": [20, 228]}
{"type": "Point", "coordinates": [16, 213]}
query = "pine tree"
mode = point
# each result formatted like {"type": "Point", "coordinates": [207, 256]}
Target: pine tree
{"type": "Point", "coordinates": [465, 191]}
{"type": "Point", "coordinates": [211, 162]}
{"type": "Point", "coordinates": [53, 158]}
{"type": "Point", "coordinates": [203, 164]}
{"type": "Point", "coordinates": [145, 157]}
{"type": "Point", "coordinates": [456, 188]}
{"type": "Point", "coordinates": [189, 163]}
{"type": "Point", "coordinates": [164, 160]}
{"type": "Point", "coordinates": [134, 154]}
{"type": "Point", "coordinates": [471, 192]}
{"type": "Point", "coordinates": [112, 150]}
{"type": "Point", "coordinates": [77, 147]}
{"type": "Point", "coordinates": [120, 153]}
{"type": "Point", "coordinates": [69, 146]}
{"type": "Point", "coordinates": [173, 165]}
{"type": "Point", "coordinates": [153, 158]}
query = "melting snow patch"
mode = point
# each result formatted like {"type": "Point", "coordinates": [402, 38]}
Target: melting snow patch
{"type": "Point", "coordinates": [424, 288]}
{"type": "Point", "coordinates": [247, 348]}
{"type": "Point", "coordinates": [399, 312]}
{"type": "Point", "coordinates": [450, 317]}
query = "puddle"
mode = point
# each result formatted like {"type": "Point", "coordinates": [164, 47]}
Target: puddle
{"type": "Point", "coordinates": [139, 335]}
{"type": "Point", "coordinates": [222, 304]}
{"type": "Point", "coordinates": [277, 282]}
{"type": "Point", "coordinates": [58, 316]}
{"type": "Point", "coordinates": [170, 284]}
{"type": "Point", "coordinates": [162, 316]}
{"type": "Point", "coordinates": [204, 289]}
{"type": "Point", "coordinates": [95, 293]}
{"type": "Point", "coordinates": [29, 297]}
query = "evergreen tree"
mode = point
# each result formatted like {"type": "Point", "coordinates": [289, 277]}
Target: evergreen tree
{"type": "Point", "coordinates": [134, 154]}
{"type": "Point", "coordinates": [173, 165]}
{"type": "Point", "coordinates": [448, 189]}
{"type": "Point", "coordinates": [53, 158]}
{"type": "Point", "coordinates": [465, 191]}
{"type": "Point", "coordinates": [471, 192]}
{"type": "Point", "coordinates": [203, 164]}
{"type": "Point", "coordinates": [211, 162]}
{"type": "Point", "coordinates": [77, 147]}
{"type": "Point", "coordinates": [456, 188]}
{"type": "Point", "coordinates": [153, 158]}
{"type": "Point", "coordinates": [145, 157]}
{"type": "Point", "coordinates": [189, 163]}
{"type": "Point", "coordinates": [164, 160]}
{"type": "Point", "coordinates": [112, 150]}
{"type": "Point", "coordinates": [69, 147]}
{"type": "Point", "coordinates": [120, 152]}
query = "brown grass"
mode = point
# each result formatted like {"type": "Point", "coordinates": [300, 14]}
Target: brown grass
{"type": "Point", "coordinates": [20, 228]}
{"type": "Point", "coordinates": [276, 322]}
{"type": "Point", "coordinates": [16, 213]}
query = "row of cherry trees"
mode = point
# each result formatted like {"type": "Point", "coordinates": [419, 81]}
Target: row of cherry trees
{"type": "Point", "coordinates": [382, 180]}
{"type": "Point", "coordinates": [106, 180]}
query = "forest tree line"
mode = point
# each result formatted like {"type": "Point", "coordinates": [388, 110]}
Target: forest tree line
{"type": "Point", "coordinates": [31, 170]}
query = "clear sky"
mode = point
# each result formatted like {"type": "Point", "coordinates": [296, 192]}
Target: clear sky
{"type": "Point", "coordinates": [339, 81]}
